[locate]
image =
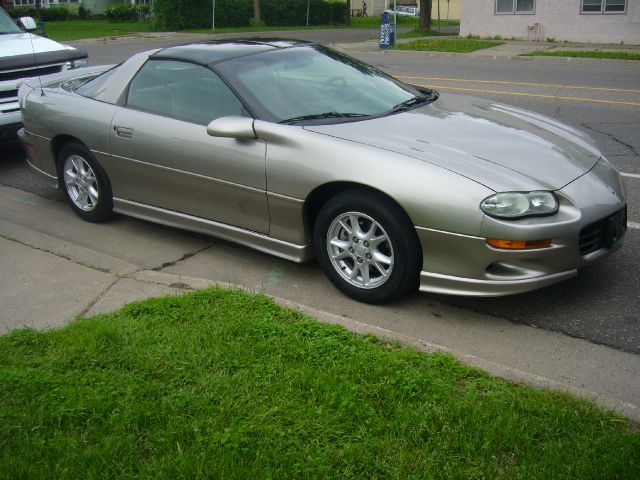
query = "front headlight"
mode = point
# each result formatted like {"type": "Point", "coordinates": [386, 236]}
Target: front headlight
{"type": "Point", "coordinates": [80, 62]}
{"type": "Point", "coordinates": [511, 205]}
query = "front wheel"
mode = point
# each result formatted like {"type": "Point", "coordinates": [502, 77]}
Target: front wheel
{"type": "Point", "coordinates": [367, 247]}
{"type": "Point", "coordinates": [85, 184]}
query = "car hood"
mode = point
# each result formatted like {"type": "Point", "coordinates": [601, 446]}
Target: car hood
{"type": "Point", "coordinates": [501, 147]}
{"type": "Point", "coordinates": [14, 44]}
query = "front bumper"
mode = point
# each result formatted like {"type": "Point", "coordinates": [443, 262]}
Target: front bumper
{"type": "Point", "coordinates": [39, 156]}
{"type": "Point", "coordinates": [9, 125]}
{"type": "Point", "coordinates": [466, 265]}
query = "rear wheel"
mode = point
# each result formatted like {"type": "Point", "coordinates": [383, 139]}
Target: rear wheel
{"type": "Point", "coordinates": [367, 247]}
{"type": "Point", "coordinates": [85, 184]}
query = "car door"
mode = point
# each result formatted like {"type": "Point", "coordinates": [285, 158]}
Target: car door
{"type": "Point", "coordinates": [166, 159]}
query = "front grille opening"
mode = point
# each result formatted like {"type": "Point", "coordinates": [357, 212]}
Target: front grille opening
{"type": "Point", "coordinates": [593, 237]}
{"type": "Point", "coordinates": [31, 72]}
{"type": "Point", "coordinates": [9, 94]}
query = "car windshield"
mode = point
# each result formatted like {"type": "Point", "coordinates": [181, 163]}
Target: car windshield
{"type": "Point", "coordinates": [314, 84]}
{"type": "Point", "coordinates": [6, 24]}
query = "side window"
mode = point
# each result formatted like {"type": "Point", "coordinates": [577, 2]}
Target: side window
{"type": "Point", "coordinates": [515, 6]}
{"type": "Point", "coordinates": [604, 6]}
{"type": "Point", "coordinates": [182, 90]}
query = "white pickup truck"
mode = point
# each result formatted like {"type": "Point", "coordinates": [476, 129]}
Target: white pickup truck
{"type": "Point", "coordinates": [24, 55]}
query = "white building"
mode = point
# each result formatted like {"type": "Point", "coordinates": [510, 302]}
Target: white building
{"type": "Point", "coordinates": [589, 21]}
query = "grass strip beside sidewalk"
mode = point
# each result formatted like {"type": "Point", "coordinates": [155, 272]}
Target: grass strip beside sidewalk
{"type": "Point", "coordinates": [223, 384]}
{"type": "Point", "coordinates": [462, 45]}
{"type": "Point", "coordinates": [417, 33]}
{"type": "Point", "coordinates": [584, 54]}
{"type": "Point", "coordinates": [78, 29]}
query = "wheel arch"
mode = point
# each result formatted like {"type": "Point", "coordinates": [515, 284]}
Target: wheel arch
{"type": "Point", "coordinates": [319, 196]}
{"type": "Point", "coordinates": [57, 144]}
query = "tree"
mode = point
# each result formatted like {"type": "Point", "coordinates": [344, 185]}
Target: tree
{"type": "Point", "coordinates": [256, 11]}
{"type": "Point", "coordinates": [425, 14]}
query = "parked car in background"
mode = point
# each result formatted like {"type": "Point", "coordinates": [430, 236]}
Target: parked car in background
{"type": "Point", "coordinates": [298, 150]}
{"type": "Point", "coordinates": [24, 55]}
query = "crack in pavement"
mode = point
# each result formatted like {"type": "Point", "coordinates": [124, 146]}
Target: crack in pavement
{"type": "Point", "coordinates": [184, 257]}
{"type": "Point", "coordinates": [56, 254]}
{"type": "Point", "coordinates": [612, 137]}
{"type": "Point", "coordinates": [97, 299]}
{"type": "Point", "coordinates": [118, 276]}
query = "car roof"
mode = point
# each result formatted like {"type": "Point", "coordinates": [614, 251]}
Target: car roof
{"type": "Point", "coordinates": [207, 53]}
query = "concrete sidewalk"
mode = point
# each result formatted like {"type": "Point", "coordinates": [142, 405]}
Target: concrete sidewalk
{"type": "Point", "coordinates": [55, 267]}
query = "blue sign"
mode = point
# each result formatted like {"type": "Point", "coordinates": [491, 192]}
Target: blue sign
{"type": "Point", "coordinates": [386, 33]}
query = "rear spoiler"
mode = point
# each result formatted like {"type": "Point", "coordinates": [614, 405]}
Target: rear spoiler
{"type": "Point", "coordinates": [76, 73]}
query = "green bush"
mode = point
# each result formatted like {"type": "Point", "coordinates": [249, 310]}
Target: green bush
{"type": "Point", "coordinates": [18, 12]}
{"type": "Point", "coordinates": [180, 14]}
{"type": "Point", "coordinates": [68, 12]}
{"type": "Point", "coordinates": [55, 14]}
{"type": "Point", "coordinates": [83, 13]}
{"type": "Point", "coordinates": [121, 12]}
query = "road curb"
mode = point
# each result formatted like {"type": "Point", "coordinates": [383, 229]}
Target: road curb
{"type": "Point", "coordinates": [497, 369]}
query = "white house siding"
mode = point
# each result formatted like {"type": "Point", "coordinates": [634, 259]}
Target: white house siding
{"type": "Point", "coordinates": [449, 9]}
{"type": "Point", "coordinates": [558, 19]}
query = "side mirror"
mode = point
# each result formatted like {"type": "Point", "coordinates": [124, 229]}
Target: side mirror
{"type": "Point", "coordinates": [28, 24]}
{"type": "Point", "coordinates": [240, 128]}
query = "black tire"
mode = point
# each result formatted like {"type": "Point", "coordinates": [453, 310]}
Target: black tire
{"type": "Point", "coordinates": [90, 198]}
{"type": "Point", "coordinates": [374, 213]}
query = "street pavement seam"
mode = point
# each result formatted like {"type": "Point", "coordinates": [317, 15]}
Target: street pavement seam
{"type": "Point", "coordinates": [184, 257]}
{"type": "Point", "coordinates": [56, 254]}
{"type": "Point", "coordinates": [98, 297]}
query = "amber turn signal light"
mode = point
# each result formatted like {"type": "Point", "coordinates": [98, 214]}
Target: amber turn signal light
{"type": "Point", "coordinates": [518, 244]}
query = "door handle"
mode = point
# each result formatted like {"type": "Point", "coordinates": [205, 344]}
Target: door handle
{"type": "Point", "coordinates": [123, 132]}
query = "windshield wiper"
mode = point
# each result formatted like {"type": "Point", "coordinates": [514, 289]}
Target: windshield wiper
{"type": "Point", "coordinates": [317, 116]}
{"type": "Point", "coordinates": [414, 102]}
{"type": "Point", "coordinates": [407, 105]}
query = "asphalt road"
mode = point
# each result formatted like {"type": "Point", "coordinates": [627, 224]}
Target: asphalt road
{"type": "Point", "coordinates": [602, 97]}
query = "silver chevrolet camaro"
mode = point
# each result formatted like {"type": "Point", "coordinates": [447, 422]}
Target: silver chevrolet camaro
{"type": "Point", "coordinates": [300, 151]}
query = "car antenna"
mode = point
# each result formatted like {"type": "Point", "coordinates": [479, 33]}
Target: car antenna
{"type": "Point", "coordinates": [35, 60]}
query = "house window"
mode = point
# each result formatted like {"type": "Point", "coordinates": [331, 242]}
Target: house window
{"type": "Point", "coordinates": [603, 6]}
{"type": "Point", "coordinates": [515, 6]}
{"type": "Point", "coordinates": [23, 3]}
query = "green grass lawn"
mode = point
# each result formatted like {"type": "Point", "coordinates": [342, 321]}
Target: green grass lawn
{"type": "Point", "coordinates": [78, 29]}
{"type": "Point", "coordinates": [265, 28]}
{"type": "Point", "coordinates": [585, 54]}
{"type": "Point", "coordinates": [356, 22]}
{"type": "Point", "coordinates": [462, 45]}
{"type": "Point", "coordinates": [417, 33]}
{"type": "Point", "coordinates": [223, 384]}
{"type": "Point", "coordinates": [403, 21]}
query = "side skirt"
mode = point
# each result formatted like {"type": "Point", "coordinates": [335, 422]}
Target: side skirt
{"type": "Point", "coordinates": [263, 243]}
